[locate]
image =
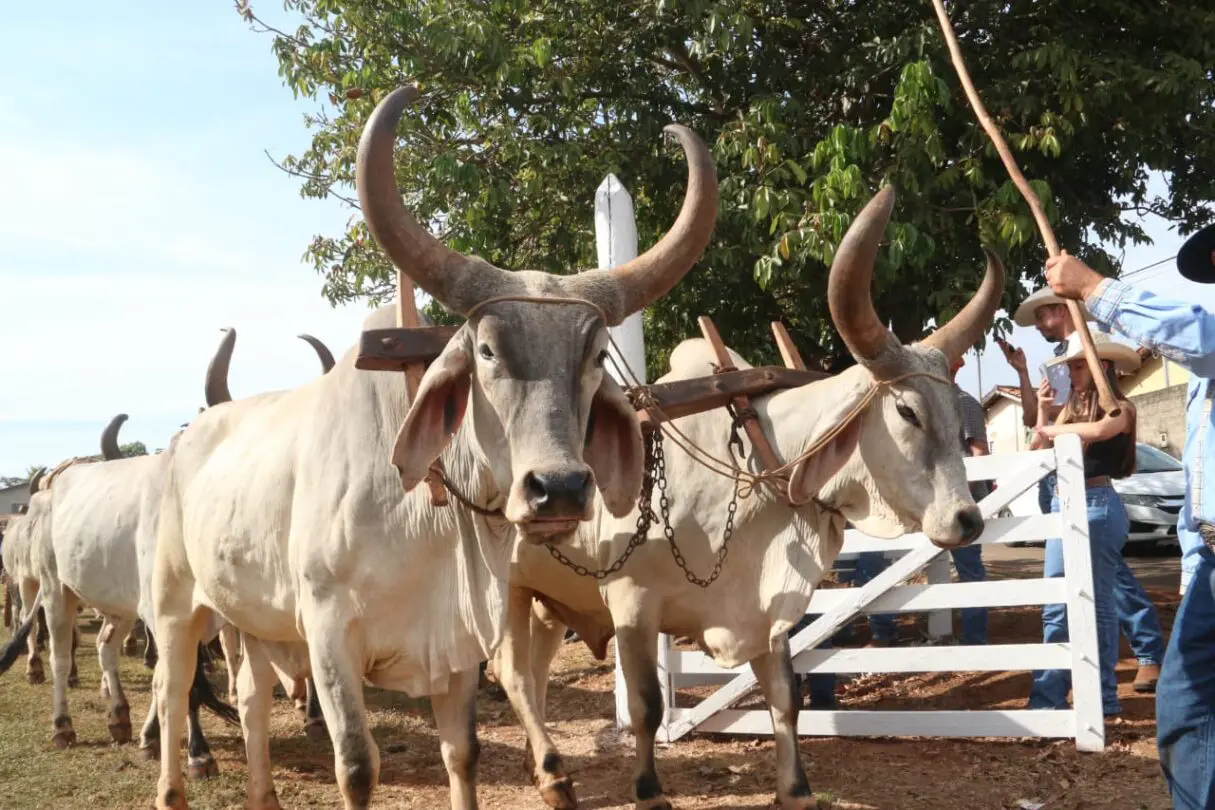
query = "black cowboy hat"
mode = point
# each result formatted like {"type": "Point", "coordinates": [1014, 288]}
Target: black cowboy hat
{"type": "Point", "coordinates": [1196, 259]}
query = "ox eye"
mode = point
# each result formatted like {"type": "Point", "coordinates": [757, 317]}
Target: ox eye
{"type": "Point", "coordinates": [601, 358]}
{"type": "Point", "coordinates": [908, 415]}
{"type": "Point", "coordinates": [486, 352]}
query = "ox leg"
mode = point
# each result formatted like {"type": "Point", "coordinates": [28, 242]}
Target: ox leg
{"type": "Point", "coordinates": [130, 642]}
{"type": "Point", "coordinates": [548, 634]}
{"type": "Point", "coordinates": [637, 646]}
{"type": "Point", "coordinates": [61, 604]}
{"type": "Point", "coordinates": [314, 717]}
{"type": "Point", "coordinates": [255, 696]}
{"type": "Point", "coordinates": [229, 641]}
{"type": "Point", "coordinates": [149, 735]}
{"type": "Point", "coordinates": [178, 639]}
{"type": "Point", "coordinates": [777, 680]}
{"type": "Point", "coordinates": [456, 718]}
{"type": "Point", "coordinates": [339, 685]}
{"type": "Point", "coordinates": [108, 642]}
{"type": "Point", "coordinates": [34, 673]}
{"type": "Point", "coordinates": [73, 674]}
{"type": "Point", "coordinates": [515, 669]}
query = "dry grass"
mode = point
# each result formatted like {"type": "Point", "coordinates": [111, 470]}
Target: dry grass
{"type": "Point", "coordinates": [700, 772]}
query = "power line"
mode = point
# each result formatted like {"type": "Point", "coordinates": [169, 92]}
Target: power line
{"type": "Point", "coordinates": [1150, 266]}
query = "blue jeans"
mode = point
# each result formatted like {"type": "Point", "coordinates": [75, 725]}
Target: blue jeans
{"type": "Point", "coordinates": [868, 565]}
{"type": "Point", "coordinates": [968, 561]}
{"type": "Point", "coordinates": [822, 684]}
{"type": "Point", "coordinates": [1185, 696]}
{"type": "Point", "coordinates": [1107, 526]}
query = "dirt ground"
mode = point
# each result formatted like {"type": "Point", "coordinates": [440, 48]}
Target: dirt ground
{"type": "Point", "coordinates": [703, 771]}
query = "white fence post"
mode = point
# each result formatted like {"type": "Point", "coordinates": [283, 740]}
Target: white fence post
{"type": "Point", "coordinates": [616, 241]}
{"type": "Point", "coordinates": [940, 622]}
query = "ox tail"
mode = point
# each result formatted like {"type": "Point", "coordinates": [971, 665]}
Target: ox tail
{"type": "Point", "coordinates": [12, 651]}
{"type": "Point", "coordinates": [8, 603]}
{"type": "Point", "coordinates": [203, 694]}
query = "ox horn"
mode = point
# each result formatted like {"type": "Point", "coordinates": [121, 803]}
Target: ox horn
{"type": "Point", "coordinates": [322, 351]}
{"type": "Point", "coordinates": [654, 273]}
{"type": "Point", "coordinates": [109, 438]}
{"type": "Point", "coordinates": [36, 479]}
{"type": "Point", "coordinates": [459, 282]}
{"type": "Point", "coordinates": [848, 297]}
{"type": "Point", "coordinates": [217, 370]}
{"type": "Point", "coordinates": [963, 331]}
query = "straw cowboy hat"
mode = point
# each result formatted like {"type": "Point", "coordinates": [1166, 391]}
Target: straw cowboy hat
{"type": "Point", "coordinates": [1196, 259]}
{"type": "Point", "coordinates": [1124, 358]}
{"type": "Point", "coordinates": [1024, 316]}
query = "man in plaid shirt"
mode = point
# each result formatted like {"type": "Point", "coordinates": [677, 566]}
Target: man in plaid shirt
{"type": "Point", "coordinates": [968, 560]}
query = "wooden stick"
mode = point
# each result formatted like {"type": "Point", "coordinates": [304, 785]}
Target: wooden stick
{"type": "Point", "coordinates": [742, 403]}
{"type": "Point", "coordinates": [407, 318]}
{"type": "Point", "coordinates": [789, 354]}
{"type": "Point", "coordinates": [1104, 392]}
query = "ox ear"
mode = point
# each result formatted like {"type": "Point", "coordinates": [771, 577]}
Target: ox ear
{"type": "Point", "coordinates": [810, 475]}
{"type": "Point", "coordinates": [434, 415]}
{"type": "Point", "coordinates": [614, 449]}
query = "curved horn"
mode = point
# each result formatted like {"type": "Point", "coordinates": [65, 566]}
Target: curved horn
{"type": "Point", "coordinates": [217, 370]}
{"type": "Point", "coordinates": [652, 274]}
{"type": "Point", "coordinates": [964, 329]}
{"type": "Point", "coordinates": [459, 282]}
{"type": "Point", "coordinates": [322, 351]}
{"type": "Point", "coordinates": [109, 438]}
{"type": "Point", "coordinates": [848, 298]}
{"type": "Point", "coordinates": [36, 479]}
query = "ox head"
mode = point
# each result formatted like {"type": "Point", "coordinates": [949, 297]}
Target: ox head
{"type": "Point", "coordinates": [529, 375]}
{"type": "Point", "coordinates": [908, 474]}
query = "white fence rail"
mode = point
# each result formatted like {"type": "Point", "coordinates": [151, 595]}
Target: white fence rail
{"type": "Point", "coordinates": [1014, 475]}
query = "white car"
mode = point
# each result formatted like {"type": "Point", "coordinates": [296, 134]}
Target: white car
{"type": "Point", "coordinates": [1153, 497]}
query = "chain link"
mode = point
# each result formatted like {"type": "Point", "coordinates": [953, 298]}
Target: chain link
{"type": "Point", "coordinates": [664, 506]}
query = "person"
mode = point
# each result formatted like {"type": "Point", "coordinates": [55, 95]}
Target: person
{"type": "Point", "coordinates": [1136, 614]}
{"type": "Point", "coordinates": [1183, 332]}
{"type": "Point", "coordinates": [1109, 452]}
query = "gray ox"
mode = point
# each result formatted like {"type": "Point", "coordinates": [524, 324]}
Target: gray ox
{"type": "Point", "coordinates": [896, 469]}
{"type": "Point", "coordinates": [96, 546]}
{"type": "Point", "coordinates": [286, 515]}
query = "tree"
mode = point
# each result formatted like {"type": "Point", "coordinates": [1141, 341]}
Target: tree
{"type": "Point", "coordinates": [809, 108]}
{"type": "Point", "coordinates": [133, 449]}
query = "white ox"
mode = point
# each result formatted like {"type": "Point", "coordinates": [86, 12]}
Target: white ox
{"type": "Point", "coordinates": [897, 469]}
{"type": "Point", "coordinates": [22, 586]}
{"type": "Point", "coordinates": [286, 515]}
{"type": "Point", "coordinates": [96, 545]}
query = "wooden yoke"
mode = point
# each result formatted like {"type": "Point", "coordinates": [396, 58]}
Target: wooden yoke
{"type": "Point", "coordinates": [789, 354]}
{"type": "Point", "coordinates": [407, 318]}
{"type": "Point", "coordinates": [740, 402]}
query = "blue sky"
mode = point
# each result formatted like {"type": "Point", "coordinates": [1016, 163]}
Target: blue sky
{"type": "Point", "coordinates": [139, 215]}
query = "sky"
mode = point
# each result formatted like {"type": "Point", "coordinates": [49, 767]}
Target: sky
{"type": "Point", "coordinates": [139, 215]}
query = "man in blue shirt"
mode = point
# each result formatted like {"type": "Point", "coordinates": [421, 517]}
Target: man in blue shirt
{"type": "Point", "coordinates": [1185, 334]}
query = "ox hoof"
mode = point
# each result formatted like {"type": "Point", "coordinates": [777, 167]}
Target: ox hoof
{"type": "Point", "coordinates": [203, 767]}
{"type": "Point", "coordinates": [150, 751]}
{"type": "Point", "coordinates": [316, 731]}
{"type": "Point", "coordinates": [65, 735]}
{"type": "Point", "coordinates": [267, 802]}
{"type": "Point", "coordinates": [559, 794]}
{"type": "Point", "coordinates": [34, 672]}
{"type": "Point", "coordinates": [120, 724]}
{"type": "Point", "coordinates": [171, 799]}
{"type": "Point", "coordinates": [797, 802]}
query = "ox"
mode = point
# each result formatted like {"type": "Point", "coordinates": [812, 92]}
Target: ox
{"type": "Point", "coordinates": [286, 515]}
{"type": "Point", "coordinates": [22, 586]}
{"type": "Point", "coordinates": [895, 469]}
{"type": "Point", "coordinates": [95, 546]}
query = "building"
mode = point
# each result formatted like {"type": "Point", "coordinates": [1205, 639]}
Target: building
{"type": "Point", "coordinates": [13, 498]}
{"type": "Point", "coordinates": [1157, 389]}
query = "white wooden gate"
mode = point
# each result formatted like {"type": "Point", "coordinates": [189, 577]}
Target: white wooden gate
{"type": "Point", "coordinates": [1013, 474]}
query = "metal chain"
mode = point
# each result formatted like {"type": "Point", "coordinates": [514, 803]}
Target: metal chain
{"type": "Point", "coordinates": [656, 471]}
{"type": "Point", "coordinates": [664, 506]}
{"type": "Point", "coordinates": [644, 520]}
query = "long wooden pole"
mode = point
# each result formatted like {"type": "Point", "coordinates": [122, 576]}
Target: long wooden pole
{"type": "Point", "coordinates": [1105, 393]}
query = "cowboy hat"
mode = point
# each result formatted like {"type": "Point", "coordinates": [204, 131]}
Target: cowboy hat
{"type": "Point", "coordinates": [1124, 358]}
{"type": "Point", "coordinates": [1024, 316]}
{"type": "Point", "coordinates": [1196, 259]}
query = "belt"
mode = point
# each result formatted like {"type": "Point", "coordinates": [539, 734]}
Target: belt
{"type": "Point", "coordinates": [1207, 532]}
